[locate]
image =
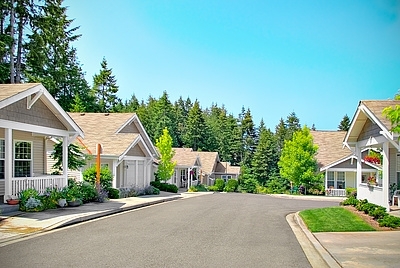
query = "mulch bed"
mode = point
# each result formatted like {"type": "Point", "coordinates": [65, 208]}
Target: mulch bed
{"type": "Point", "coordinates": [369, 219]}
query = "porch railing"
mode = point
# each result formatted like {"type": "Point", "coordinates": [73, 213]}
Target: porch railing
{"type": "Point", "coordinates": [38, 183]}
{"type": "Point", "coordinates": [335, 192]}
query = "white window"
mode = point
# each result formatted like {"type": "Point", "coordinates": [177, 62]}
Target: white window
{"type": "Point", "coordinates": [331, 179]}
{"type": "Point", "coordinates": [183, 174]}
{"type": "Point", "coordinates": [2, 157]}
{"type": "Point", "coordinates": [340, 180]}
{"type": "Point", "coordinates": [226, 177]}
{"type": "Point", "coordinates": [22, 158]}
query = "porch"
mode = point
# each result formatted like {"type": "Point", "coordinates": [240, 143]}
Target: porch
{"type": "Point", "coordinates": [38, 183]}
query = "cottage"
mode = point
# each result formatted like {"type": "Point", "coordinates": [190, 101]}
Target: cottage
{"type": "Point", "coordinates": [29, 117]}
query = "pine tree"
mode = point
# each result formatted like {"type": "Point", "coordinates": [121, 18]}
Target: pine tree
{"type": "Point", "coordinates": [264, 164]}
{"type": "Point", "coordinates": [249, 138]}
{"type": "Point", "coordinates": [293, 125]}
{"type": "Point", "coordinates": [50, 59]}
{"type": "Point", "coordinates": [344, 124]}
{"type": "Point", "coordinates": [105, 88]}
{"type": "Point", "coordinates": [164, 118]}
{"type": "Point", "coordinates": [280, 134]}
{"type": "Point", "coordinates": [196, 130]}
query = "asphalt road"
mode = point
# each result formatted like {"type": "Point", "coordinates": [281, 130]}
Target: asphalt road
{"type": "Point", "coordinates": [219, 230]}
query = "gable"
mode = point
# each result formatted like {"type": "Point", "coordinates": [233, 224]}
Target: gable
{"type": "Point", "coordinates": [130, 128]}
{"type": "Point", "coordinates": [39, 114]}
{"type": "Point", "coordinates": [136, 151]}
{"type": "Point", "coordinates": [370, 129]}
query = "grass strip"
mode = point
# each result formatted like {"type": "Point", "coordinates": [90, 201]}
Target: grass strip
{"type": "Point", "coordinates": [333, 219]}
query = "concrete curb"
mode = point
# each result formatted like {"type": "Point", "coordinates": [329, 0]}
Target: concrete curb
{"type": "Point", "coordinates": [316, 254]}
{"type": "Point", "coordinates": [87, 217]}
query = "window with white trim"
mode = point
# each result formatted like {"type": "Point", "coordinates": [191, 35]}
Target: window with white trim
{"type": "Point", "coordinates": [183, 174]}
{"type": "Point", "coordinates": [22, 158]}
{"type": "Point", "coordinates": [340, 180]}
{"type": "Point", "coordinates": [330, 179]}
{"type": "Point", "coordinates": [2, 158]}
{"type": "Point", "coordinates": [226, 177]}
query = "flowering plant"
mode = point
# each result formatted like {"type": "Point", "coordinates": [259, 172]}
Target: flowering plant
{"type": "Point", "coordinates": [373, 157]}
{"type": "Point", "coordinates": [372, 180]}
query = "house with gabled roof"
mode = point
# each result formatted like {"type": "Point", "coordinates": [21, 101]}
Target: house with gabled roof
{"type": "Point", "coordinates": [201, 167]}
{"type": "Point", "coordinates": [337, 162]}
{"type": "Point", "coordinates": [126, 147]}
{"type": "Point", "coordinates": [371, 129]}
{"type": "Point", "coordinates": [29, 117]}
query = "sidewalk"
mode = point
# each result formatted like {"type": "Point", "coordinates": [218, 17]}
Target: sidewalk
{"type": "Point", "coordinates": [17, 224]}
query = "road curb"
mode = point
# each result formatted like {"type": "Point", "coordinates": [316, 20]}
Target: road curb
{"type": "Point", "coordinates": [316, 254]}
{"type": "Point", "coordinates": [83, 218]}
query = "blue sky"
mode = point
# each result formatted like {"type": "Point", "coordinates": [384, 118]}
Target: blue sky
{"type": "Point", "coordinates": [315, 58]}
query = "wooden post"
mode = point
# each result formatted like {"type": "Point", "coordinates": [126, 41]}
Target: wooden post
{"type": "Point", "coordinates": [98, 152]}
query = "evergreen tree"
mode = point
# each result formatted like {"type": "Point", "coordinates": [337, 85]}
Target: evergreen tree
{"type": "Point", "coordinates": [164, 118]}
{"type": "Point", "coordinates": [265, 161]}
{"type": "Point", "coordinates": [181, 110]}
{"type": "Point", "coordinates": [249, 138]}
{"type": "Point", "coordinates": [293, 125]}
{"type": "Point", "coordinates": [280, 134]}
{"type": "Point", "coordinates": [297, 161]}
{"type": "Point", "coordinates": [196, 130]}
{"type": "Point", "coordinates": [345, 123]}
{"type": "Point", "coordinates": [105, 88]}
{"type": "Point", "coordinates": [50, 59]}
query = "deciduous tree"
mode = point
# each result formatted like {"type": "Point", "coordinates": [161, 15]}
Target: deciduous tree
{"type": "Point", "coordinates": [166, 165]}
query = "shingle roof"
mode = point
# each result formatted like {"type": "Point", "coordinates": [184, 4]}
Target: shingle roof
{"type": "Point", "coordinates": [101, 128]}
{"type": "Point", "coordinates": [208, 160]}
{"type": "Point", "coordinates": [376, 107]}
{"type": "Point", "coordinates": [225, 167]}
{"type": "Point", "coordinates": [184, 157]}
{"type": "Point", "coordinates": [330, 146]}
{"type": "Point", "coordinates": [9, 90]}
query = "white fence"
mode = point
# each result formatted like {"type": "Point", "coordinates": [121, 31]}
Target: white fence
{"type": "Point", "coordinates": [335, 192]}
{"type": "Point", "coordinates": [38, 183]}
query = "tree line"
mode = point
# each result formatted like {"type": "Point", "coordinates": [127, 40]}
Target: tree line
{"type": "Point", "coordinates": [36, 40]}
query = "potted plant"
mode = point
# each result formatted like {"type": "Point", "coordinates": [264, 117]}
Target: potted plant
{"type": "Point", "coordinates": [371, 181]}
{"type": "Point", "coordinates": [62, 198]}
{"type": "Point", "coordinates": [73, 196]}
{"type": "Point", "coordinates": [12, 200]}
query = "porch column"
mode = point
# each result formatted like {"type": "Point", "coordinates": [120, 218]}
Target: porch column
{"type": "Point", "coordinates": [65, 160]}
{"type": "Point", "coordinates": [385, 174]}
{"type": "Point", "coordinates": [359, 166]}
{"type": "Point", "coordinates": [8, 173]}
{"type": "Point", "coordinates": [326, 180]}
{"type": "Point", "coordinates": [114, 172]}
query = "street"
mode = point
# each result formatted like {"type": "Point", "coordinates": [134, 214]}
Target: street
{"type": "Point", "coordinates": [235, 230]}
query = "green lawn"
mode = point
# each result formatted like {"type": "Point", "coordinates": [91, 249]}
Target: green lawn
{"type": "Point", "coordinates": [333, 219]}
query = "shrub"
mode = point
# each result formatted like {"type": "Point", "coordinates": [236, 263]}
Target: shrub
{"type": "Point", "coordinates": [156, 184]}
{"type": "Point", "coordinates": [34, 205]}
{"type": "Point", "coordinates": [201, 188]}
{"type": "Point", "coordinates": [277, 185]}
{"type": "Point", "coordinates": [102, 196]}
{"type": "Point", "coordinates": [106, 177]}
{"type": "Point", "coordinates": [156, 191]}
{"type": "Point", "coordinates": [361, 203]}
{"type": "Point", "coordinates": [150, 190]}
{"type": "Point", "coordinates": [220, 184]}
{"type": "Point", "coordinates": [231, 185]}
{"type": "Point", "coordinates": [351, 192]}
{"type": "Point", "coordinates": [389, 221]}
{"type": "Point", "coordinates": [351, 201]}
{"type": "Point", "coordinates": [24, 197]}
{"type": "Point", "coordinates": [249, 185]}
{"type": "Point", "coordinates": [88, 191]}
{"type": "Point", "coordinates": [50, 198]}
{"type": "Point", "coordinates": [213, 188]}
{"type": "Point", "coordinates": [192, 189]}
{"type": "Point", "coordinates": [261, 189]}
{"type": "Point", "coordinates": [113, 193]}
{"type": "Point", "coordinates": [378, 213]}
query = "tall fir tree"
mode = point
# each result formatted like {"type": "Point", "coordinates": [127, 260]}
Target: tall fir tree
{"type": "Point", "coordinates": [50, 58]}
{"type": "Point", "coordinates": [344, 124]}
{"type": "Point", "coordinates": [293, 125]}
{"type": "Point", "coordinates": [196, 130]}
{"type": "Point", "coordinates": [264, 165]}
{"type": "Point", "coordinates": [249, 138]}
{"type": "Point", "coordinates": [105, 88]}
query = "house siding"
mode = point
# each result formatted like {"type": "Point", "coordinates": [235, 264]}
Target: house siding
{"type": "Point", "coordinates": [136, 151]}
{"type": "Point", "coordinates": [351, 180]}
{"type": "Point", "coordinates": [131, 128]}
{"type": "Point", "coordinates": [392, 165]}
{"type": "Point", "coordinates": [370, 129]}
{"type": "Point", "coordinates": [2, 190]}
{"type": "Point", "coordinates": [38, 115]}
